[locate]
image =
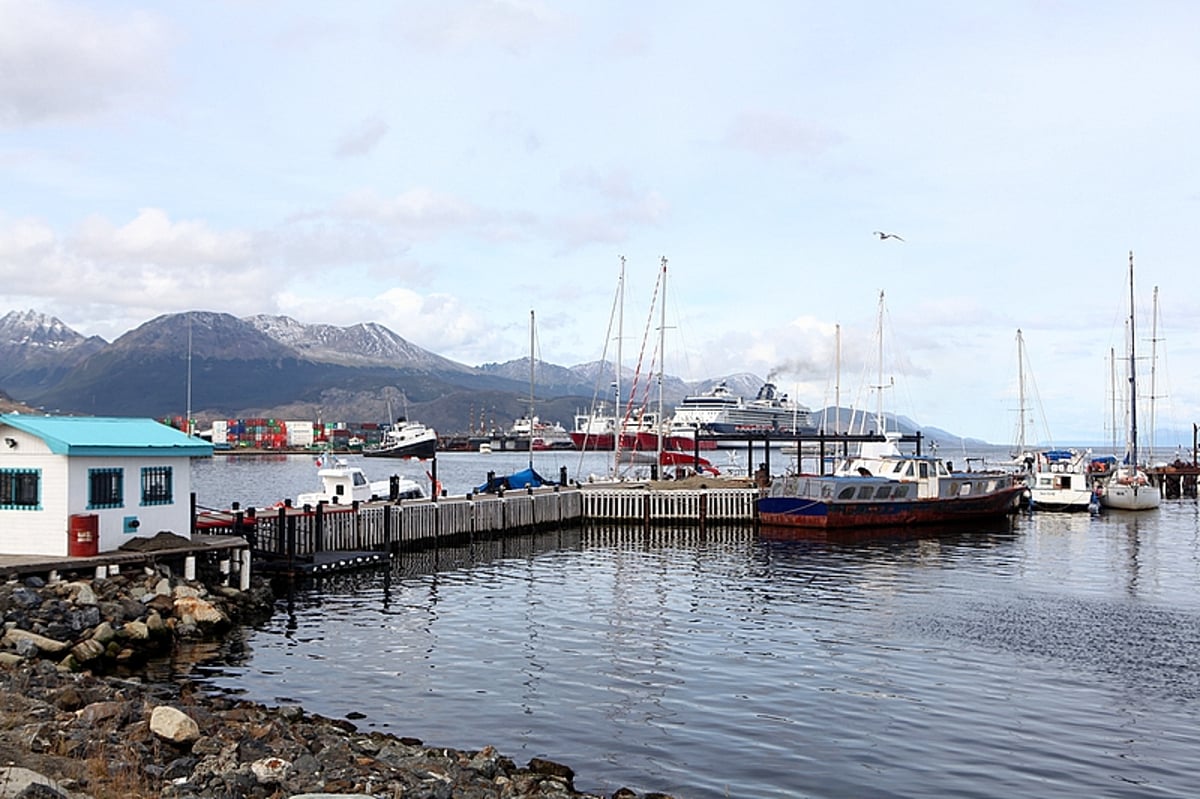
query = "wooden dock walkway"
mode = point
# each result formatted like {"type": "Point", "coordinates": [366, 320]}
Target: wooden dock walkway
{"type": "Point", "coordinates": [334, 537]}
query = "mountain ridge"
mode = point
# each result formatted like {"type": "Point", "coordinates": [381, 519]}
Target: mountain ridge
{"type": "Point", "coordinates": [216, 365]}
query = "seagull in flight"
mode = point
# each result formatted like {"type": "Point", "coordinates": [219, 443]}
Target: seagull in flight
{"type": "Point", "coordinates": [883, 236]}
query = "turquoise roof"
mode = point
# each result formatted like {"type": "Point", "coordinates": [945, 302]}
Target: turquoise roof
{"type": "Point", "coordinates": [107, 435]}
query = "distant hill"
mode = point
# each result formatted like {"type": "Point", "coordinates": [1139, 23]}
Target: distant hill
{"type": "Point", "coordinates": [223, 367]}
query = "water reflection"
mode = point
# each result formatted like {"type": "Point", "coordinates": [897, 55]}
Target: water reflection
{"type": "Point", "coordinates": [1055, 644]}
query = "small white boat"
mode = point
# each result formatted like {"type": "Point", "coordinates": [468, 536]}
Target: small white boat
{"type": "Point", "coordinates": [1060, 481]}
{"type": "Point", "coordinates": [485, 448]}
{"type": "Point", "coordinates": [342, 484]}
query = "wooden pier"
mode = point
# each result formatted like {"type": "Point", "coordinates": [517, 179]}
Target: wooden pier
{"type": "Point", "coordinates": [337, 538]}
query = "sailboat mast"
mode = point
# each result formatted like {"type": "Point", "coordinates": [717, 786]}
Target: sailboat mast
{"type": "Point", "coordinates": [531, 362]}
{"type": "Point", "coordinates": [1153, 368]}
{"type": "Point", "coordinates": [662, 341]}
{"type": "Point", "coordinates": [837, 382]}
{"type": "Point", "coordinates": [1021, 392]}
{"type": "Point", "coordinates": [879, 398]}
{"type": "Point", "coordinates": [617, 416]}
{"type": "Point", "coordinates": [1112, 387]}
{"type": "Point", "coordinates": [1132, 374]}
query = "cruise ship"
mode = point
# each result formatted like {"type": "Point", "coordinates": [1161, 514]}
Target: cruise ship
{"type": "Point", "coordinates": [719, 412]}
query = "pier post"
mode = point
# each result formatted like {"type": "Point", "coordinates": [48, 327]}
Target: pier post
{"type": "Point", "coordinates": [244, 572]}
{"type": "Point", "coordinates": [289, 523]}
{"type": "Point", "coordinates": [319, 533]}
{"type": "Point", "coordinates": [387, 528]}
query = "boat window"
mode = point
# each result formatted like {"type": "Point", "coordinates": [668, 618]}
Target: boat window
{"type": "Point", "coordinates": [339, 489]}
{"type": "Point", "coordinates": [882, 492]}
{"type": "Point", "coordinates": [359, 479]}
{"type": "Point", "coordinates": [865, 492]}
{"type": "Point", "coordinates": [923, 469]}
{"type": "Point", "coordinates": [901, 491]}
{"type": "Point", "coordinates": [899, 465]}
{"type": "Point", "coordinates": [965, 490]}
{"type": "Point", "coordinates": [908, 471]}
{"type": "Point", "coordinates": [846, 493]}
{"type": "Point", "coordinates": [953, 490]}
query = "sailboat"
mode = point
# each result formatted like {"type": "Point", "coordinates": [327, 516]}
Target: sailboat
{"type": "Point", "coordinates": [527, 477]}
{"type": "Point", "coordinates": [1128, 487]}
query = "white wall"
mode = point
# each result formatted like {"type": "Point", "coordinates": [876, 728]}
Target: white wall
{"type": "Point", "coordinates": [35, 532]}
{"type": "Point", "coordinates": [64, 491]}
{"type": "Point", "coordinates": [175, 518]}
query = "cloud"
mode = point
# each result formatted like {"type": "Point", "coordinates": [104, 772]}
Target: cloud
{"type": "Point", "coordinates": [772, 134]}
{"type": "Point", "coordinates": [152, 237]}
{"type": "Point", "coordinates": [514, 26]}
{"type": "Point", "coordinates": [363, 138]}
{"type": "Point", "coordinates": [61, 61]}
{"type": "Point", "coordinates": [419, 212]}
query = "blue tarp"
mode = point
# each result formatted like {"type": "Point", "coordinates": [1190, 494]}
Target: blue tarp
{"type": "Point", "coordinates": [526, 478]}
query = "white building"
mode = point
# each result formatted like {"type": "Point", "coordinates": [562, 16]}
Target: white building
{"type": "Point", "coordinates": [77, 485]}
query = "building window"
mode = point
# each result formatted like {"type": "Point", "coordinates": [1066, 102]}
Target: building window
{"type": "Point", "coordinates": [106, 488]}
{"type": "Point", "coordinates": [20, 489]}
{"type": "Point", "coordinates": [156, 485]}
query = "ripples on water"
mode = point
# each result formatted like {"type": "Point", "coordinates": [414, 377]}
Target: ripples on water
{"type": "Point", "coordinates": [1056, 655]}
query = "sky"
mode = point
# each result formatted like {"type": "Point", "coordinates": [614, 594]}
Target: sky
{"type": "Point", "coordinates": [444, 168]}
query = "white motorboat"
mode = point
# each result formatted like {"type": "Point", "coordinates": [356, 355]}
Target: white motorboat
{"type": "Point", "coordinates": [1060, 480]}
{"type": "Point", "coordinates": [342, 484]}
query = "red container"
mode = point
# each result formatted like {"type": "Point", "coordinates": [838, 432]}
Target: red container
{"type": "Point", "coordinates": [83, 535]}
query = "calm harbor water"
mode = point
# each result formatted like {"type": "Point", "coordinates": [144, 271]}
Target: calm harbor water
{"type": "Point", "coordinates": [1045, 655]}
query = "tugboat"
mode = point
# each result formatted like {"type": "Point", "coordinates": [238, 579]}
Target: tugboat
{"type": "Point", "coordinates": [405, 439]}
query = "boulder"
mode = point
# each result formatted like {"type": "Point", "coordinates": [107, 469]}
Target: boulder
{"type": "Point", "coordinates": [173, 725]}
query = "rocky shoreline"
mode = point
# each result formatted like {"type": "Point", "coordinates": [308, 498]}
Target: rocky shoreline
{"type": "Point", "coordinates": [79, 720]}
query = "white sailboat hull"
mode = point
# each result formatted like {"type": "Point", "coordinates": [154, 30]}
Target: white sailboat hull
{"type": "Point", "coordinates": [1130, 496]}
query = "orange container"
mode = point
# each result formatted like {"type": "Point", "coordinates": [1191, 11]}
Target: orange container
{"type": "Point", "coordinates": [83, 535]}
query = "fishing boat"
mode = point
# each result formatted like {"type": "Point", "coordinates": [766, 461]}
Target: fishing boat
{"type": "Point", "coordinates": [883, 486]}
{"type": "Point", "coordinates": [342, 484]}
{"type": "Point", "coordinates": [532, 433]}
{"type": "Point", "coordinates": [1060, 481]}
{"type": "Point", "coordinates": [405, 439]}
{"type": "Point", "coordinates": [1128, 487]}
{"type": "Point", "coordinates": [597, 430]}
